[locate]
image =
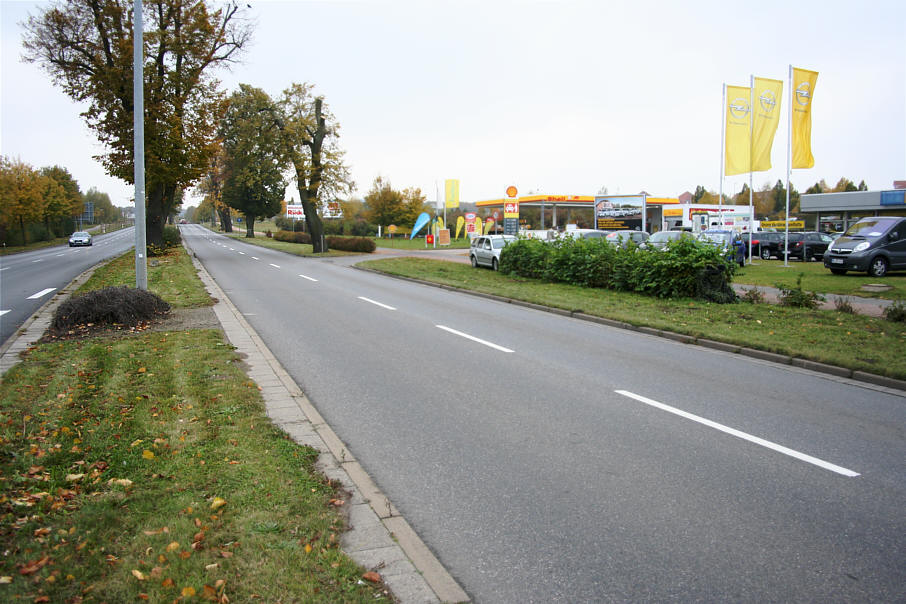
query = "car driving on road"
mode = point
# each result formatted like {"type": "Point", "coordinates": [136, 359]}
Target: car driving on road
{"type": "Point", "coordinates": [79, 238]}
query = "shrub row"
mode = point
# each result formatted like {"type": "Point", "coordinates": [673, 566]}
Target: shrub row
{"type": "Point", "coordinates": [351, 244]}
{"type": "Point", "coordinates": [684, 269]}
{"type": "Point", "coordinates": [291, 237]}
{"type": "Point", "coordinates": [347, 244]}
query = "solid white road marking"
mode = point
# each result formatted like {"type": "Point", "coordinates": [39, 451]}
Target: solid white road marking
{"type": "Point", "coordinates": [474, 339]}
{"type": "Point", "coordinates": [309, 278]}
{"type": "Point", "coordinates": [3, 312]}
{"type": "Point", "coordinates": [243, 253]}
{"type": "Point", "coordinates": [41, 293]}
{"type": "Point", "coordinates": [274, 265]}
{"type": "Point", "coordinates": [373, 302]}
{"type": "Point", "coordinates": [254, 258]}
{"type": "Point", "coordinates": [754, 439]}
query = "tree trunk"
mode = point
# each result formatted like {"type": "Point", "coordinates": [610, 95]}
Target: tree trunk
{"type": "Point", "coordinates": [249, 226]}
{"type": "Point", "coordinates": [155, 216]}
{"type": "Point", "coordinates": [315, 227]}
{"type": "Point", "coordinates": [226, 221]}
{"type": "Point", "coordinates": [22, 227]}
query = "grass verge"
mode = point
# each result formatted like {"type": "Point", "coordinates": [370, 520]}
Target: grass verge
{"type": "Point", "coordinates": [816, 278]}
{"type": "Point", "coordinates": [144, 468]}
{"type": "Point", "coordinates": [854, 341]}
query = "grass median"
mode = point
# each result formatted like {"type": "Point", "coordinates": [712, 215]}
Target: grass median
{"type": "Point", "coordinates": [142, 467]}
{"type": "Point", "coordinates": [857, 342]}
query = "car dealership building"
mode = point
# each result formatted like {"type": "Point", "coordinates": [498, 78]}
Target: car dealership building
{"type": "Point", "coordinates": [834, 212]}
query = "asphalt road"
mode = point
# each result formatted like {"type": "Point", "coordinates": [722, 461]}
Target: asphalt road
{"type": "Point", "coordinates": [29, 279]}
{"type": "Point", "coordinates": [546, 459]}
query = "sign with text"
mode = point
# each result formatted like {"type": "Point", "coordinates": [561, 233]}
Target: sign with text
{"type": "Point", "coordinates": [780, 224]}
{"type": "Point", "coordinates": [615, 212]}
{"type": "Point", "coordinates": [295, 211]}
{"type": "Point", "coordinates": [443, 237]}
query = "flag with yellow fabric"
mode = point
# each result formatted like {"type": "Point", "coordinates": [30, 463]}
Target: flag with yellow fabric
{"type": "Point", "coordinates": [766, 116]}
{"type": "Point", "coordinates": [451, 192]}
{"type": "Point", "coordinates": [738, 128]}
{"type": "Point", "coordinates": [803, 92]}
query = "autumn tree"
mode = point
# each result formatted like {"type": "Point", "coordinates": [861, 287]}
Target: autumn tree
{"type": "Point", "coordinates": [413, 205]}
{"type": "Point", "coordinates": [86, 47]}
{"type": "Point", "coordinates": [62, 198]}
{"type": "Point", "coordinates": [254, 163]}
{"type": "Point", "coordinates": [310, 138]}
{"type": "Point", "coordinates": [211, 186]}
{"type": "Point", "coordinates": [384, 205]}
{"type": "Point", "coordinates": [22, 190]}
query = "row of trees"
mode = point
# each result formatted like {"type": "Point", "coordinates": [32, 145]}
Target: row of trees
{"type": "Point", "coordinates": [44, 203]}
{"type": "Point", "coordinates": [770, 201]}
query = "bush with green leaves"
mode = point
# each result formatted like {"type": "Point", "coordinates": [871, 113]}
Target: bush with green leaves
{"type": "Point", "coordinates": [797, 297]}
{"type": "Point", "coordinates": [683, 269]}
{"type": "Point", "coordinates": [896, 312]}
{"type": "Point", "coordinates": [351, 244]}
{"type": "Point", "coordinates": [293, 237]}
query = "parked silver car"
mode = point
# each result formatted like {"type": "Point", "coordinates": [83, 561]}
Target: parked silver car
{"type": "Point", "coordinates": [659, 240]}
{"type": "Point", "coordinates": [79, 238]}
{"type": "Point", "coordinates": [485, 250]}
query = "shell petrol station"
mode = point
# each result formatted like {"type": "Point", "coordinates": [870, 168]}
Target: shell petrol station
{"type": "Point", "coordinates": [620, 212]}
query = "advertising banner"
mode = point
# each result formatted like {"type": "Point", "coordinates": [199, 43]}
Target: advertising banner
{"type": "Point", "coordinates": [295, 211]}
{"type": "Point", "coordinates": [619, 212]}
{"type": "Point", "coordinates": [470, 223]}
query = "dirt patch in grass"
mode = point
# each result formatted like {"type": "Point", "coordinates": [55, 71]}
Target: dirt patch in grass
{"type": "Point", "coordinates": [178, 319]}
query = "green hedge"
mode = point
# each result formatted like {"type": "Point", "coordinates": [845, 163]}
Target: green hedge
{"type": "Point", "coordinates": [684, 269]}
{"type": "Point", "coordinates": [293, 237]}
{"type": "Point", "coordinates": [351, 244]}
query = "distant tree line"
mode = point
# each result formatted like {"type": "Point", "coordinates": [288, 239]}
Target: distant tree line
{"type": "Point", "coordinates": [43, 204]}
{"type": "Point", "coordinates": [770, 201]}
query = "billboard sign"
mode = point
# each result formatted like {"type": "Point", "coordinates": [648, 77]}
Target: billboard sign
{"type": "Point", "coordinates": [619, 212]}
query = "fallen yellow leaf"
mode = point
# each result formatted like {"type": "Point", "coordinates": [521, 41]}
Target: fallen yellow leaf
{"type": "Point", "coordinates": [173, 546]}
{"type": "Point", "coordinates": [74, 477]}
{"type": "Point", "coordinates": [188, 591]}
{"type": "Point", "coordinates": [218, 503]}
{"type": "Point", "coordinates": [138, 575]}
{"type": "Point", "coordinates": [148, 454]}
{"type": "Point", "coordinates": [135, 443]}
{"type": "Point", "coordinates": [6, 580]}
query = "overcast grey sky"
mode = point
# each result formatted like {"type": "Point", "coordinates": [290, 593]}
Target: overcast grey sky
{"type": "Point", "coordinates": [562, 97]}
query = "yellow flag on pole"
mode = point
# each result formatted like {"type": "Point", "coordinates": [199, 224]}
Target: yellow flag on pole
{"type": "Point", "coordinates": [766, 115]}
{"type": "Point", "coordinates": [451, 190]}
{"type": "Point", "coordinates": [739, 115]}
{"type": "Point", "coordinates": [803, 92]}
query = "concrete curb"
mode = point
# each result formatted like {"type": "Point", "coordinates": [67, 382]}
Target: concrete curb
{"type": "Point", "coordinates": [379, 538]}
{"type": "Point", "coordinates": [861, 378]}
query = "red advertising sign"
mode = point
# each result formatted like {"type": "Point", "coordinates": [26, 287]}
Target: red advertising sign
{"type": "Point", "coordinates": [511, 209]}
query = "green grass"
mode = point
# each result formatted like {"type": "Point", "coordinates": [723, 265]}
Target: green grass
{"type": "Point", "coordinates": [115, 455]}
{"type": "Point", "coordinates": [855, 341]}
{"type": "Point", "coordinates": [819, 279]}
{"type": "Point", "coordinates": [404, 243]}
{"type": "Point", "coordinates": [171, 276]}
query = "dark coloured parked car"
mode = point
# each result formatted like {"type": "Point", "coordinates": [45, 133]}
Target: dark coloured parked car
{"type": "Point", "coordinates": [765, 244]}
{"type": "Point", "coordinates": [808, 245]}
{"type": "Point", "coordinates": [874, 245]}
{"type": "Point", "coordinates": [726, 240]}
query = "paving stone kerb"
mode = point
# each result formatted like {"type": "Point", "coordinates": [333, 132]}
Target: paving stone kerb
{"type": "Point", "coordinates": [878, 381]}
{"type": "Point", "coordinates": [379, 538]}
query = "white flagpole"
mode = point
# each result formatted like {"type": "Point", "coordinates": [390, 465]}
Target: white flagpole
{"type": "Point", "coordinates": [751, 150]}
{"type": "Point", "coordinates": [789, 164]}
{"type": "Point", "coordinates": [723, 134]}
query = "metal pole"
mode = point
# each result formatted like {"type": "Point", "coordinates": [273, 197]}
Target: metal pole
{"type": "Point", "coordinates": [138, 96]}
{"type": "Point", "coordinates": [789, 151]}
{"type": "Point", "coordinates": [751, 149]}
{"type": "Point", "coordinates": [723, 154]}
